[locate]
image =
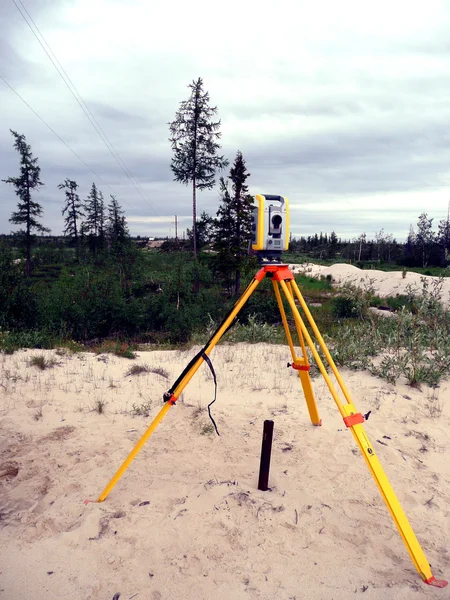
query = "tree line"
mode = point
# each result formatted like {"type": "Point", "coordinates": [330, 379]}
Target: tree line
{"type": "Point", "coordinates": [424, 246]}
{"type": "Point", "coordinates": [91, 226]}
{"type": "Point", "coordinates": [89, 223]}
{"type": "Point", "coordinates": [194, 138]}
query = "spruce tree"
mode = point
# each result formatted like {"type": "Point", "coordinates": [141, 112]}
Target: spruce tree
{"type": "Point", "coordinates": [73, 208]}
{"type": "Point", "coordinates": [28, 211]}
{"type": "Point", "coordinates": [194, 138]}
{"type": "Point", "coordinates": [101, 222]}
{"type": "Point", "coordinates": [234, 219]}
{"type": "Point", "coordinates": [425, 237]}
{"type": "Point", "coordinates": [223, 243]}
{"type": "Point", "coordinates": [204, 231]}
{"type": "Point", "coordinates": [116, 226]}
{"type": "Point", "coordinates": [443, 237]}
{"type": "Point", "coordinates": [94, 224]}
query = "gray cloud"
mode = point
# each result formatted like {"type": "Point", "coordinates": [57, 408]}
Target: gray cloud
{"type": "Point", "coordinates": [347, 118]}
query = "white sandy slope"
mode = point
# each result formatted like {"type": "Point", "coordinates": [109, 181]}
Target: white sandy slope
{"type": "Point", "coordinates": [386, 283]}
{"type": "Point", "coordinates": [187, 520]}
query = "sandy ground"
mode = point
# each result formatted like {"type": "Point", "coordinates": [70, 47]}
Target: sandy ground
{"type": "Point", "coordinates": [386, 283]}
{"type": "Point", "coordinates": [187, 520]}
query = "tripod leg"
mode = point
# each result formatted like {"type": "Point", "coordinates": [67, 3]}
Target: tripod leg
{"type": "Point", "coordinates": [124, 466]}
{"type": "Point", "coordinates": [300, 364]}
{"type": "Point", "coordinates": [183, 380]}
{"type": "Point", "coordinates": [354, 421]}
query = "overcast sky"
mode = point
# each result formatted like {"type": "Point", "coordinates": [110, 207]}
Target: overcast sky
{"type": "Point", "coordinates": [343, 107]}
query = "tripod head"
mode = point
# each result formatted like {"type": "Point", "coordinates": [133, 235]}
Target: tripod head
{"type": "Point", "coordinates": [270, 228]}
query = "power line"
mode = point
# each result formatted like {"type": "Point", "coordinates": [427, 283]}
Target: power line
{"type": "Point", "coordinates": [68, 82]}
{"type": "Point", "coordinates": [60, 138]}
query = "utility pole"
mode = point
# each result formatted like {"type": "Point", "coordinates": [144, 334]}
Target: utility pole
{"type": "Point", "coordinates": [176, 228]}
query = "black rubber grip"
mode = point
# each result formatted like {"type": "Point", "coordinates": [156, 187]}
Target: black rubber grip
{"type": "Point", "coordinates": [272, 197]}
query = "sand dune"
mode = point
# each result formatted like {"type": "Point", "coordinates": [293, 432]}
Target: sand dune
{"type": "Point", "coordinates": [186, 520]}
{"type": "Point", "coordinates": [386, 283]}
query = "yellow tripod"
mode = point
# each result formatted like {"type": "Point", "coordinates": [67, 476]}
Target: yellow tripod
{"type": "Point", "coordinates": [283, 278]}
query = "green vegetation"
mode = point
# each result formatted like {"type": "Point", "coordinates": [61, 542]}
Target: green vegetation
{"type": "Point", "coordinates": [92, 307]}
{"type": "Point", "coordinates": [118, 348]}
{"type": "Point", "coordinates": [414, 344]}
{"type": "Point", "coordinates": [94, 289]}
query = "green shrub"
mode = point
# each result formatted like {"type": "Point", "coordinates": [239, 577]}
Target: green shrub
{"type": "Point", "coordinates": [256, 331]}
{"type": "Point", "coordinates": [18, 303]}
{"type": "Point", "coordinates": [344, 308]}
{"type": "Point", "coordinates": [10, 341]}
{"type": "Point", "coordinates": [377, 301]}
{"type": "Point", "coordinates": [401, 300]}
{"type": "Point", "coordinates": [122, 349]}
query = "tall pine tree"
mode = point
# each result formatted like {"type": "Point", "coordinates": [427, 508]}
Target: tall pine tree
{"type": "Point", "coordinates": [73, 212]}
{"type": "Point", "coordinates": [28, 211]}
{"type": "Point", "coordinates": [234, 219]}
{"type": "Point", "coordinates": [194, 138]}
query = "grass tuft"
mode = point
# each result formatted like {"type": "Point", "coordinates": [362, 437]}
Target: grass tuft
{"type": "Point", "coordinates": [207, 429]}
{"type": "Point", "coordinates": [159, 371]}
{"type": "Point", "coordinates": [38, 414]}
{"type": "Point", "coordinates": [99, 406]}
{"type": "Point", "coordinates": [141, 410]}
{"type": "Point", "coordinates": [40, 362]}
{"type": "Point", "coordinates": [137, 370]}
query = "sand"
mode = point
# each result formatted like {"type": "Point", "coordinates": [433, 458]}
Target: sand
{"type": "Point", "coordinates": [187, 520]}
{"type": "Point", "coordinates": [385, 283]}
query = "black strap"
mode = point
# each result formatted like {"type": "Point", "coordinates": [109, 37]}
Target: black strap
{"type": "Point", "coordinates": [201, 353]}
{"type": "Point", "coordinates": [210, 365]}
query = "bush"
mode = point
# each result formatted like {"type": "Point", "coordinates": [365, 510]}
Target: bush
{"type": "Point", "coordinates": [122, 349]}
{"type": "Point", "coordinates": [10, 341]}
{"type": "Point", "coordinates": [18, 307]}
{"type": "Point", "coordinates": [256, 331]}
{"type": "Point", "coordinates": [344, 308]}
{"type": "Point", "coordinates": [400, 301]}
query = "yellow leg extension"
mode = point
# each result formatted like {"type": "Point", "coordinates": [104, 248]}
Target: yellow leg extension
{"type": "Point", "coordinates": [398, 516]}
{"type": "Point", "coordinates": [299, 363]}
{"type": "Point", "coordinates": [354, 421]}
{"type": "Point", "coordinates": [126, 463]}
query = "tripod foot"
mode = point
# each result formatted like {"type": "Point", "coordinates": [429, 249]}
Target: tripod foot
{"type": "Point", "coordinates": [319, 424]}
{"type": "Point", "coordinates": [439, 583]}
